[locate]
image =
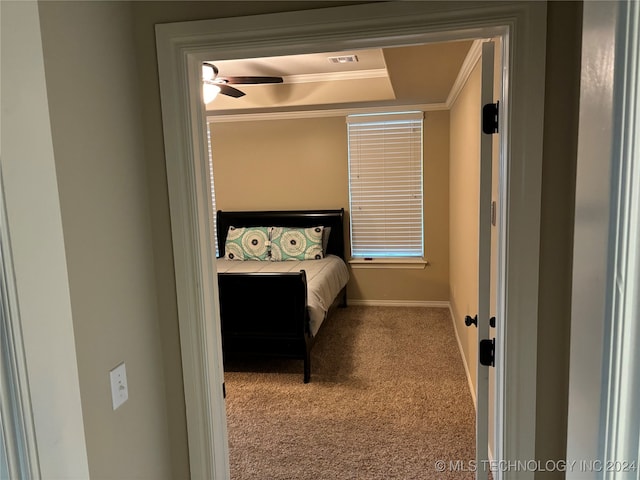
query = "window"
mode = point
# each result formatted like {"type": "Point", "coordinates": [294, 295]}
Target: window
{"type": "Point", "coordinates": [385, 185]}
{"type": "Point", "coordinates": [213, 192]}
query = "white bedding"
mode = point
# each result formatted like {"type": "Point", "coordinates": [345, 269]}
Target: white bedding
{"type": "Point", "coordinates": [325, 278]}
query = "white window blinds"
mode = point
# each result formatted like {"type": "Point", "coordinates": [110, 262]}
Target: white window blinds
{"type": "Point", "coordinates": [213, 191]}
{"type": "Point", "coordinates": [385, 185]}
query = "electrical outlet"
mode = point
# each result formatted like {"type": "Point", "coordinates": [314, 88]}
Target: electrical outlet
{"type": "Point", "coordinates": [119, 389]}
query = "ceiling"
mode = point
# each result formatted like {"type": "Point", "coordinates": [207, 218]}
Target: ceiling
{"type": "Point", "coordinates": [408, 75]}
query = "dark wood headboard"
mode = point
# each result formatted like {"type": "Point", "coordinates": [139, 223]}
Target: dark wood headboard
{"type": "Point", "coordinates": [285, 218]}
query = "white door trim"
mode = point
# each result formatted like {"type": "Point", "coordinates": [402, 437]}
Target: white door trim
{"type": "Point", "coordinates": [181, 46]}
{"type": "Point", "coordinates": [604, 376]}
{"type": "Point", "coordinates": [484, 265]}
{"type": "Point", "coordinates": [18, 437]}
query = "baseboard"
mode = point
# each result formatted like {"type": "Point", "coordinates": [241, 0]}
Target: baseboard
{"type": "Point", "coordinates": [464, 359]}
{"type": "Point", "coordinates": [398, 303]}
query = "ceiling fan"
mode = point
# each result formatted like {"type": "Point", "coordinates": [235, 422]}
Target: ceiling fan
{"type": "Point", "coordinates": [214, 84]}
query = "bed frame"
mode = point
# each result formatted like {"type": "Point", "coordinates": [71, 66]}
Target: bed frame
{"type": "Point", "coordinates": [247, 298]}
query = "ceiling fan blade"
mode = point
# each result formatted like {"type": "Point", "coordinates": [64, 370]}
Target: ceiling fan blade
{"type": "Point", "coordinates": [251, 80]}
{"type": "Point", "coordinates": [230, 91]}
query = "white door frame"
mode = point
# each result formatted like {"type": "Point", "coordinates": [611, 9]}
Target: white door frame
{"type": "Point", "coordinates": [18, 446]}
{"type": "Point", "coordinates": [604, 376]}
{"type": "Point", "coordinates": [487, 96]}
{"type": "Point", "coordinates": [182, 46]}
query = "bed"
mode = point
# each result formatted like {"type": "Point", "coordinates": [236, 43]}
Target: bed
{"type": "Point", "coordinates": [271, 304]}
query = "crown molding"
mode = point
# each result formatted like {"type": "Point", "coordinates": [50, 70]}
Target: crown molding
{"type": "Point", "coordinates": [336, 76]}
{"type": "Point", "coordinates": [470, 61]}
{"type": "Point", "coordinates": [473, 56]}
{"type": "Point", "coordinates": [330, 112]}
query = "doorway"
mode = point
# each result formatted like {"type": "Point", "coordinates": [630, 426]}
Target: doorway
{"type": "Point", "coordinates": [332, 29]}
{"type": "Point", "coordinates": [257, 154]}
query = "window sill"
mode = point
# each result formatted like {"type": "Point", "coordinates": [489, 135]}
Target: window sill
{"type": "Point", "coordinates": [412, 263]}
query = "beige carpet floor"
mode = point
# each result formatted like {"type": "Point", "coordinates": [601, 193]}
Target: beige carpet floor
{"type": "Point", "coordinates": [388, 398]}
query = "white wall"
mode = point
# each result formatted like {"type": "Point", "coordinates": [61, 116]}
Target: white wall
{"type": "Point", "coordinates": [33, 212]}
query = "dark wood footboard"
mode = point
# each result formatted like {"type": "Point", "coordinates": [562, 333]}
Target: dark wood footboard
{"type": "Point", "coordinates": [267, 313]}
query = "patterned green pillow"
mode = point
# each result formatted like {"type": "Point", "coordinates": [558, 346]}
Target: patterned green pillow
{"type": "Point", "coordinates": [296, 243]}
{"type": "Point", "coordinates": [247, 243]}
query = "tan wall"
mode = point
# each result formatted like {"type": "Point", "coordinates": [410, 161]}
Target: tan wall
{"type": "Point", "coordinates": [463, 222]}
{"type": "Point", "coordinates": [99, 158]}
{"type": "Point", "coordinates": [278, 165]}
{"type": "Point", "coordinates": [303, 164]}
{"type": "Point", "coordinates": [36, 318]}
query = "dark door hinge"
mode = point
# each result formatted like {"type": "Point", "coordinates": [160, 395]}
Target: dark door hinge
{"type": "Point", "coordinates": [224, 390]}
{"type": "Point", "coordinates": [490, 118]}
{"type": "Point", "coordinates": [487, 352]}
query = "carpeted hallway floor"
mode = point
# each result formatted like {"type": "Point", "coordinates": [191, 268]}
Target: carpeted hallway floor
{"type": "Point", "coordinates": [388, 398]}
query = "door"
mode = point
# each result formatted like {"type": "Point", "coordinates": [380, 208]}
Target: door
{"type": "Point", "coordinates": [486, 348]}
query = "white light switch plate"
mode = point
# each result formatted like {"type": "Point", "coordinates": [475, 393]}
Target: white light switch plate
{"type": "Point", "coordinates": [119, 389]}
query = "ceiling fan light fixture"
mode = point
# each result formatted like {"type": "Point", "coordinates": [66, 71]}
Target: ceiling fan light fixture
{"type": "Point", "coordinates": [212, 84]}
{"type": "Point", "coordinates": [209, 92]}
{"type": "Point", "coordinates": [209, 72]}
